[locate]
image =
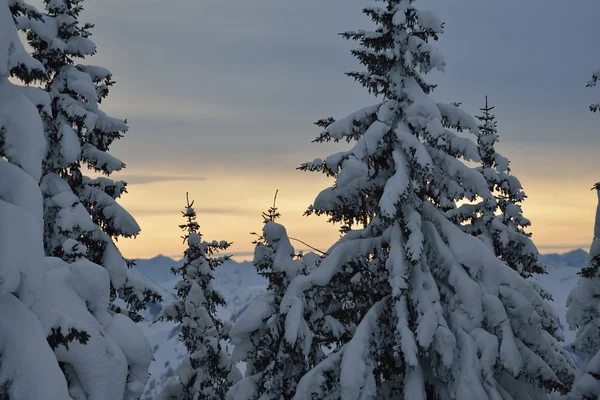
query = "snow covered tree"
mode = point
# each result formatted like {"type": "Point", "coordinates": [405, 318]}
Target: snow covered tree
{"type": "Point", "coordinates": [28, 368]}
{"type": "Point", "coordinates": [499, 221]}
{"type": "Point", "coordinates": [583, 314]}
{"type": "Point", "coordinates": [447, 319]}
{"type": "Point", "coordinates": [591, 83]}
{"type": "Point", "coordinates": [79, 134]}
{"type": "Point", "coordinates": [273, 363]}
{"type": "Point", "coordinates": [206, 373]}
{"type": "Point", "coordinates": [73, 302]}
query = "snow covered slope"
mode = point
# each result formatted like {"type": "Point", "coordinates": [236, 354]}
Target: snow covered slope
{"type": "Point", "coordinates": [561, 278]}
{"type": "Point", "coordinates": [240, 284]}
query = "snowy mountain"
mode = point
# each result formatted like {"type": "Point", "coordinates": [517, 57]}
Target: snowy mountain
{"type": "Point", "coordinates": [576, 258]}
{"type": "Point", "coordinates": [240, 284]}
{"type": "Point", "coordinates": [561, 278]}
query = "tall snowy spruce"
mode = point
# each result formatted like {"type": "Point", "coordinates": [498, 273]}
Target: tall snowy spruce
{"type": "Point", "coordinates": [446, 318]}
{"type": "Point", "coordinates": [498, 221]}
{"type": "Point", "coordinates": [28, 368]}
{"type": "Point", "coordinates": [83, 270]}
{"type": "Point", "coordinates": [79, 134]}
{"type": "Point", "coordinates": [206, 372]}
{"type": "Point", "coordinates": [273, 364]}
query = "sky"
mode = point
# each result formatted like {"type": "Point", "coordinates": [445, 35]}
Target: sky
{"type": "Point", "coordinates": [220, 97]}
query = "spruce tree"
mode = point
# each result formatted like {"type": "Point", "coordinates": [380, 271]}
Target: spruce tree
{"type": "Point", "coordinates": [499, 222]}
{"type": "Point", "coordinates": [28, 368]}
{"type": "Point", "coordinates": [81, 218]}
{"type": "Point", "coordinates": [591, 83]}
{"type": "Point", "coordinates": [206, 372]}
{"type": "Point", "coordinates": [79, 134]}
{"type": "Point", "coordinates": [583, 305]}
{"type": "Point", "coordinates": [446, 319]}
{"type": "Point", "coordinates": [273, 364]}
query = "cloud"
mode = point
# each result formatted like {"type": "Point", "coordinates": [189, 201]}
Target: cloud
{"type": "Point", "coordinates": [147, 179]}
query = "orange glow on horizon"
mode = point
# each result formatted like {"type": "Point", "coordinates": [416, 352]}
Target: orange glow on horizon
{"type": "Point", "coordinates": [560, 205]}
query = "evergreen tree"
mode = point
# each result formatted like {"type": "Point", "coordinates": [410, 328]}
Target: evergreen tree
{"type": "Point", "coordinates": [499, 222]}
{"type": "Point", "coordinates": [273, 363]}
{"type": "Point", "coordinates": [591, 83]}
{"type": "Point", "coordinates": [28, 369]}
{"type": "Point", "coordinates": [79, 134]}
{"type": "Point", "coordinates": [583, 314]}
{"type": "Point", "coordinates": [206, 372]}
{"type": "Point", "coordinates": [79, 220]}
{"type": "Point", "coordinates": [447, 319]}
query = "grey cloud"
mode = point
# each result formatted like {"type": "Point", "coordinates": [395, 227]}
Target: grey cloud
{"type": "Point", "coordinates": [269, 68]}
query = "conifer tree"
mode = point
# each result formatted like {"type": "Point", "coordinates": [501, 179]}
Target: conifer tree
{"type": "Point", "coordinates": [446, 318]}
{"type": "Point", "coordinates": [273, 366]}
{"type": "Point", "coordinates": [79, 134]}
{"type": "Point", "coordinates": [583, 305]}
{"type": "Point", "coordinates": [591, 83]}
{"type": "Point", "coordinates": [206, 372]}
{"type": "Point", "coordinates": [28, 368]}
{"type": "Point", "coordinates": [499, 222]}
{"type": "Point", "coordinates": [80, 221]}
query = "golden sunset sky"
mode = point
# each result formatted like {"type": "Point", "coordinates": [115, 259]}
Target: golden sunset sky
{"type": "Point", "coordinates": [561, 206]}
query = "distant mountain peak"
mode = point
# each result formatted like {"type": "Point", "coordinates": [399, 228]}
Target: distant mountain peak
{"type": "Point", "coordinates": [577, 258]}
{"type": "Point", "coordinates": [577, 252]}
{"type": "Point", "coordinates": [161, 258]}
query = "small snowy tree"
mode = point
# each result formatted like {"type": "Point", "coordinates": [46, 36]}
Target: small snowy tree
{"type": "Point", "coordinates": [583, 314]}
{"type": "Point", "coordinates": [274, 363]}
{"type": "Point", "coordinates": [499, 221]}
{"type": "Point", "coordinates": [79, 134]}
{"type": "Point", "coordinates": [446, 318]}
{"type": "Point", "coordinates": [206, 372]}
{"type": "Point", "coordinates": [591, 83]}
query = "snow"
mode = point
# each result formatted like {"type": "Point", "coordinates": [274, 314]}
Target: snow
{"type": "Point", "coordinates": [95, 72]}
{"type": "Point", "coordinates": [24, 142]}
{"type": "Point", "coordinates": [78, 294]}
{"type": "Point", "coordinates": [81, 45]}
{"type": "Point", "coordinates": [101, 160]}
{"type": "Point", "coordinates": [346, 126]}
{"type": "Point", "coordinates": [20, 189]}
{"type": "Point", "coordinates": [70, 147]}
{"type": "Point", "coordinates": [19, 262]}
{"type": "Point", "coordinates": [357, 368]}
{"type": "Point", "coordinates": [396, 187]}
{"type": "Point", "coordinates": [27, 361]}
{"type": "Point", "coordinates": [40, 98]}
{"type": "Point", "coordinates": [12, 52]}
{"type": "Point", "coordinates": [114, 264]}
{"type": "Point", "coordinates": [130, 338]}
{"type": "Point", "coordinates": [82, 84]}
{"type": "Point", "coordinates": [240, 284]}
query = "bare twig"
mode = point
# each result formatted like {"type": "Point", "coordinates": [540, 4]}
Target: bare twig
{"type": "Point", "coordinates": [309, 246]}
